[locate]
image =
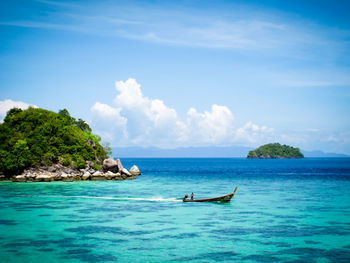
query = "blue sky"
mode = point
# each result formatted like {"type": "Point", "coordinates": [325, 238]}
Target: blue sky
{"type": "Point", "coordinates": [184, 73]}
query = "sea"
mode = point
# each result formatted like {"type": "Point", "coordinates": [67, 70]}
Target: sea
{"type": "Point", "coordinates": [285, 210]}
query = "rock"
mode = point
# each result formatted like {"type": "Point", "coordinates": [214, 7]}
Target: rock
{"type": "Point", "coordinates": [66, 177]}
{"type": "Point", "coordinates": [76, 177]}
{"type": "Point", "coordinates": [126, 172]}
{"type": "Point", "coordinates": [68, 170]}
{"type": "Point", "coordinates": [91, 171]}
{"type": "Point", "coordinates": [110, 165]}
{"type": "Point", "coordinates": [86, 176]}
{"type": "Point", "coordinates": [134, 170]}
{"type": "Point", "coordinates": [18, 178]}
{"type": "Point", "coordinates": [89, 164]}
{"type": "Point", "coordinates": [2, 177]}
{"type": "Point", "coordinates": [52, 169]}
{"type": "Point", "coordinates": [98, 176]}
{"type": "Point", "coordinates": [110, 173]}
{"type": "Point", "coordinates": [57, 177]}
{"type": "Point", "coordinates": [44, 178]}
{"type": "Point", "coordinates": [120, 166]}
{"type": "Point", "coordinates": [58, 166]}
{"type": "Point", "coordinates": [29, 176]}
{"type": "Point", "coordinates": [118, 177]}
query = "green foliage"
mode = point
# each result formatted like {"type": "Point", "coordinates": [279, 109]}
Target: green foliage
{"type": "Point", "coordinates": [275, 150]}
{"type": "Point", "coordinates": [97, 167]}
{"type": "Point", "coordinates": [82, 125]}
{"type": "Point", "coordinates": [35, 137]}
{"type": "Point", "coordinates": [67, 160]}
{"type": "Point", "coordinates": [107, 147]}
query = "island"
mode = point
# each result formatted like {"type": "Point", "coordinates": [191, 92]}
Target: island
{"type": "Point", "coordinates": [275, 151]}
{"type": "Point", "coordinates": [42, 146]}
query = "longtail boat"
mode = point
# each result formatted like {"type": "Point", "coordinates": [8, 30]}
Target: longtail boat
{"type": "Point", "coordinates": [224, 198]}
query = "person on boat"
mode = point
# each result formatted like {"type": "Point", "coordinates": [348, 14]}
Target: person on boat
{"type": "Point", "coordinates": [192, 196]}
{"type": "Point", "coordinates": [185, 197]}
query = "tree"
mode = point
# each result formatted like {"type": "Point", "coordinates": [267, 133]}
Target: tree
{"type": "Point", "coordinates": [35, 137]}
{"type": "Point", "coordinates": [107, 147]}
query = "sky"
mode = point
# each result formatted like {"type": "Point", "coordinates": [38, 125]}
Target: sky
{"type": "Point", "coordinates": [174, 74]}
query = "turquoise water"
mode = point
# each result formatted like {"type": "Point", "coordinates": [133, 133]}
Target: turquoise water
{"type": "Point", "coordinates": [284, 210]}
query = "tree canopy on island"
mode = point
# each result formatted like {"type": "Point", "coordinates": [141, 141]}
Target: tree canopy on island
{"type": "Point", "coordinates": [38, 137]}
{"type": "Point", "coordinates": [275, 151]}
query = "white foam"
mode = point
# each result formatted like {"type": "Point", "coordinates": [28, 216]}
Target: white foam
{"type": "Point", "coordinates": [153, 199]}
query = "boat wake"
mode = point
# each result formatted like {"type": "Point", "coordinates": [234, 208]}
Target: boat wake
{"type": "Point", "coordinates": [152, 199]}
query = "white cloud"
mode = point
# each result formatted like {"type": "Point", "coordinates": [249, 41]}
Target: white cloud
{"type": "Point", "coordinates": [139, 120]}
{"type": "Point", "coordinates": [6, 105]}
{"type": "Point", "coordinates": [106, 111]}
{"type": "Point", "coordinates": [254, 133]}
{"type": "Point", "coordinates": [109, 123]}
{"type": "Point", "coordinates": [215, 127]}
{"type": "Point", "coordinates": [150, 121]}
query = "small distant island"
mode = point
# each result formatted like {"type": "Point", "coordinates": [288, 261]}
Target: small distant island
{"type": "Point", "coordinates": [38, 145]}
{"type": "Point", "coordinates": [275, 151]}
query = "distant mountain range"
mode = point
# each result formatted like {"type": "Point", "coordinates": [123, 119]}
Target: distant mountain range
{"type": "Point", "coordinates": [322, 154]}
{"type": "Point", "coordinates": [200, 152]}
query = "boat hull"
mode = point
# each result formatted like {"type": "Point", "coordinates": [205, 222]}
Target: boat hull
{"type": "Point", "coordinates": [224, 198]}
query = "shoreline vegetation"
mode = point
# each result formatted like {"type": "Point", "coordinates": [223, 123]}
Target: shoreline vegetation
{"type": "Point", "coordinates": [275, 151]}
{"type": "Point", "coordinates": [38, 145]}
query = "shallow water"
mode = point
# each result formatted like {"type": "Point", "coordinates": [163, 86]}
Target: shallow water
{"type": "Point", "coordinates": [284, 210]}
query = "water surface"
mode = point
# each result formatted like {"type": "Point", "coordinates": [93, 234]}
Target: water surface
{"type": "Point", "coordinates": [284, 210]}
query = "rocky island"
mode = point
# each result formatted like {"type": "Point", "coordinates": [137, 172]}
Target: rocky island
{"type": "Point", "coordinates": [275, 151]}
{"type": "Point", "coordinates": [38, 145]}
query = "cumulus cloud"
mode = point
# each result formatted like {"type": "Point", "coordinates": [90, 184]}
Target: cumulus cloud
{"type": "Point", "coordinates": [6, 105]}
{"type": "Point", "coordinates": [109, 123]}
{"type": "Point", "coordinates": [254, 133]}
{"type": "Point", "coordinates": [135, 119]}
{"type": "Point", "coordinates": [106, 111]}
{"type": "Point", "coordinates": [214, 127]}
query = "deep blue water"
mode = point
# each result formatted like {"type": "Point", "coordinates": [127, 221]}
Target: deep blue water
{"type": "Point", "coordinates": [283, 211]}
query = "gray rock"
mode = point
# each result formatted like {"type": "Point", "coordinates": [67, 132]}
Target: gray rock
{"type": "Point", "coordinates": [58, 166]}
{"type": "Point", "coordinates": [89, 164]}
{"type": "Point", "coordinates": [125, 172]}
{"type": "Point", "coordinates": [110, 165]}
{"type": "Point", "coordinates": [86, 176]}
{"type": "Point", "coordinates": [18, 178]}
{"type": "Point", "coordinates": [68, 170]}
{"type": "Point", "coordinates": [134, 170]}
{"type": "Point", "coordinates": [120, 166]}
{"type": "Point", "coordinates": [67, 177]}
{"type": "Point", "coordinates": [118, 176]}
{"type": "Point", "coordinates": [98, 177]}
{"type": "Point", "coordinates": [44, 178]}
{"type": "Point", "coordinates": [52, 169]}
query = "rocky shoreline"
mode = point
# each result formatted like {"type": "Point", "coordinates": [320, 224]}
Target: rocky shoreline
{"type": "Point", "coordinates": [272, 157]}
{"type": "Point", "coordinates": [112, 170]}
